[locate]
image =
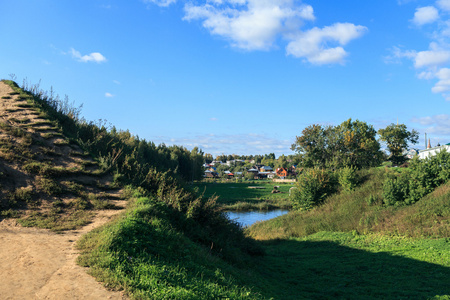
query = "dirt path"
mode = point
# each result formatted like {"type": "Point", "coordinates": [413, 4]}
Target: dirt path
{"type": "Point", "coordinates": [40, 264]}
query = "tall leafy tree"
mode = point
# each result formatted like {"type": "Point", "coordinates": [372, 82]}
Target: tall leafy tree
{"type": "Point", "coordinates": [312, 146]}
{"type": "Point", "coordinates": [397, 137]}
{"type": "Point", "coordinates": [350, 144]}
{"type": "Point", "coordinates": [208, 158]}
{"type": "Point", "coordinates": [356, 145]}
{"type": "Point", "coordinates": [282, 162]}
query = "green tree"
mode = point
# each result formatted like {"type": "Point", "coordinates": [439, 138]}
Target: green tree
{"type": "Point", "coordinates": [222, 158]}
{"type": "Point", "coordinates": [282, 162]}
{"type": "Point", "coordinates": [351, 144]}
{"type": "Point", "coordinates": [396, 138]}
{"type": "Point", "coordinates": [268, 162]}
{"type": "Point", "coordinates": [208, 158]}
{"type": "Point", "coordinates": [312, 146]}
{"type": "Point", "coordinates": [197, 159]}
{"type": "Point", "coordinates": [355, 145]}
{"type": "Point", "coordinates": [257, 159]}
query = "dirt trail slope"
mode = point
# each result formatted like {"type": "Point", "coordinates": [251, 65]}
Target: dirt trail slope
{"type": "Point", "coordinates": [40, 264]}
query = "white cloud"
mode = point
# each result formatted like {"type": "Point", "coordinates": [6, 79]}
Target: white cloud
{"type": "Point", "coordinates": [108, 95]}
{"type": "Point", "coordinates": [162, 3]}
{"type": "Point", "coordinates": [259, 24]}
{"type": "Point", "coordinates": [432, 58]}
{"type": "Point", "coordinates": [397, 54]}
{"type": "Point", "coordinates": [439, 125]}
{"type": "Point", "coordinates": [313, 44]}
{"type": "Point", "coordinates": [434, 62]}
{"type": "Point", "coordinates": [443, 4]}
{"type": "Point", "coordinates": [425, 15]}
{"type": "Point", "coordinates": [426, 75]}
{"type": "Point", "coordinates": [250, 24]}
{"type": "Point", "coordinates": [93, 57]}
{"type": "Point", "coordinates": [244, 144]}
{"type": "Point", "coordinates": [443, 84]}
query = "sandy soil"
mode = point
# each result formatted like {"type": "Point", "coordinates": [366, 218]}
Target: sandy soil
{"type": "Point", "coordinates": [40, 264]}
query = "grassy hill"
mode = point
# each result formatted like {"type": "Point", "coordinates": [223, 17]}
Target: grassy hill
{"type": "Point", "coordinates": [363, 212]}
{"type": "Point", "coordinates": [46, 179]}
{"type": "Point", "coordinates": [171, 243]}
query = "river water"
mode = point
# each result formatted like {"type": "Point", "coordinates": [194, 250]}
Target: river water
{"type": "Point", "coordinates": [250, 217]}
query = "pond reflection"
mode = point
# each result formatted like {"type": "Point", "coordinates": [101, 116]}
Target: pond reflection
{"type": "Point", "coordinates": [248, 218]}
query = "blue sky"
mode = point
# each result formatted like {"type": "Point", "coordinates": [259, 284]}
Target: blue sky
{"type": "Point", "coordinates": [236, 76]}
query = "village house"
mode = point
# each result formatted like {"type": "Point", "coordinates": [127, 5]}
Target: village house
{"type": "Point", "coordinates": [210, 174]}
{"type": "Point", "coordinates": [432, 151]}
{"type": "Point", "coordinates": [234, 161]}
{"type": "Point", "coordinates": [282, 172]}
{"type": "Point", "coordinates": [265, 169]}
{"type": "Point", "coordinates": [410, 153]}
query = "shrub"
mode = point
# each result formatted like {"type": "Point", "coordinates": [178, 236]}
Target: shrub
{"type": "Point", "coordinates": [80, 204]}
{"type": "Point", "coordinates": [372, 199]}
{"type": "Point", "coordinates": [421, 179]}
{"type": "Point", "coordinates": [313, 186]}
{"type": "Point", "coordinates": [19, 195]}
{"type": "Point", "coordinates": [348, 178]}
{"type": "Point", "coordinates": [49, 186]}
{"type": "Point", "coordinates": [395, 189]}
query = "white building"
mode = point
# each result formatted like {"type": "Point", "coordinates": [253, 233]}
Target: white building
{"type": "Point", "coordinates": [433, 151]}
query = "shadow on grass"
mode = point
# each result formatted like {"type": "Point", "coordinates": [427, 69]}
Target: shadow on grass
{"type": "Point", "coordinates": [325, 270]}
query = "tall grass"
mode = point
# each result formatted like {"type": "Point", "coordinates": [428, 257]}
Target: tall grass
{"type": "Point", "coordinates": [152, 252]}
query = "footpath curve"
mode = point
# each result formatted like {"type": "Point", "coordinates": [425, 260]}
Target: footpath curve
{"type": "Point", "coordinates": [40, 264]}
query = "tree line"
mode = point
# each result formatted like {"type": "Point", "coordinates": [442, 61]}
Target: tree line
{"type": "Point", "coordinates": [331, 156]}
{"type": "Point", "coordinates": [351, 144]}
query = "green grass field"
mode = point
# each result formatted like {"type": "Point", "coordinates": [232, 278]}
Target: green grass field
{"type": "Point", "coordinates": [152, 260]}
{"type": "Point", "coordinates": [239, 195]}
{"type": "Point", "coordinates": [331, 265]}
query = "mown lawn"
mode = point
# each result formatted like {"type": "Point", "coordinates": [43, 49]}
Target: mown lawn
{"type": "Point", "coordinates": [240, 195]}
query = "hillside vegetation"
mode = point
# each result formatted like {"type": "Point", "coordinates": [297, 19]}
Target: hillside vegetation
{"type": "Point", "coordinates": [362, 211]}
{"type": "Point", "coordinates": [46, 179]}
{"type": "Point", "coordinates": [172, 242]}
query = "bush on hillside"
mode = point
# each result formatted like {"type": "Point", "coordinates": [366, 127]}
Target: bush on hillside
{"type": "Point", "coordinates": [421, 179]}
{"type": "Point", "coordinates": [348, 178]}
{"type": "Point", "coordinates": [395, 189]}
{"type": "Point", "coordinates": [313, 185]}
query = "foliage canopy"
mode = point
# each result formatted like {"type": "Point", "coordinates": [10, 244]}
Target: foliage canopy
{"type": "Point", "coordinates": [350, 144]}
{"type": "Point", "coordinates": [397, 138]}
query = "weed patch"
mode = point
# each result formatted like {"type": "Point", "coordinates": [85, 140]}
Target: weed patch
{"type": "Point", "coordinates": [56, 220]}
